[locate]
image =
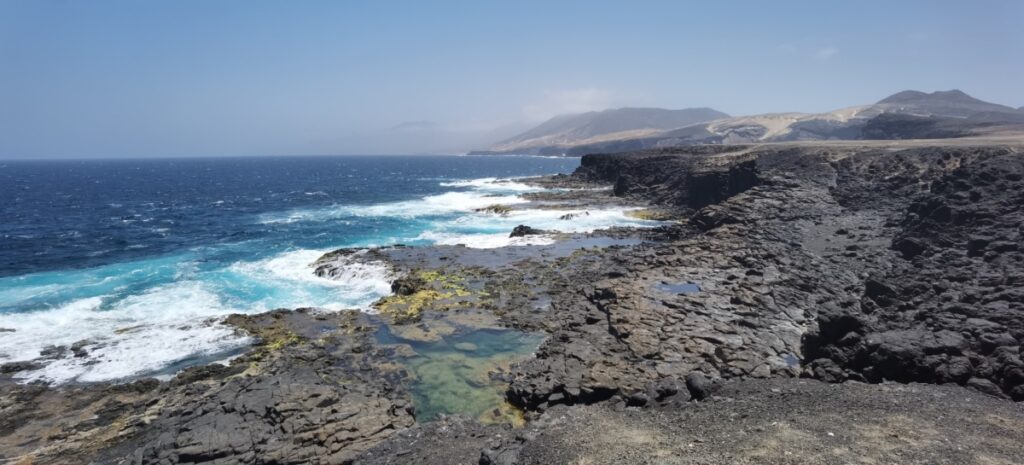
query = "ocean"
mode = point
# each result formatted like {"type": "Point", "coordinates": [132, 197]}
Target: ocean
{"type": "Point", "coordinates": [130, 264]}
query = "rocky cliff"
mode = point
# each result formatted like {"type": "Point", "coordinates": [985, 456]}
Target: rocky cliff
{"type": "Point", "coordinates": [892, 265]}
{"type": "Point", "coordinates": [672, 179]}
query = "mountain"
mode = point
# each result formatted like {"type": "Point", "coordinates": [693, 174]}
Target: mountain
{"type": "Point", "coordinates": [950, 103]}
{"type": "Point", "coordinates": [567, 131]}
{"type": "Point", "coordinates": [905, 115]}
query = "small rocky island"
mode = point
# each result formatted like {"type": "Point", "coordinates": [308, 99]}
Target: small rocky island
{"type": "Point", "coordinates": [812, 303]}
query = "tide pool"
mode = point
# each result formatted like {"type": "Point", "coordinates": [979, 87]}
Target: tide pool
{"type": "Point", "coordinates": [462, 373]}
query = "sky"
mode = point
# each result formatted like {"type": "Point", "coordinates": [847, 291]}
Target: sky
{"type": "Point", "coordinates": [228, 78]}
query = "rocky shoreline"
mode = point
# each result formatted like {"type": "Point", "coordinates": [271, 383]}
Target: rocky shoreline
{"type": "Point", "coordinates": [796, 304]}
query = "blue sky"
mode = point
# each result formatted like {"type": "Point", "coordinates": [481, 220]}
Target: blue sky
{"type": "Point", "coordinates": [178, 78]}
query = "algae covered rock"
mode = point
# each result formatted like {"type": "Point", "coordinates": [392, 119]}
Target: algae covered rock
{"type": "Point", "coordinates": [423, 290]}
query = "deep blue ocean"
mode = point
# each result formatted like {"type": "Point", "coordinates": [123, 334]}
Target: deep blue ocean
{"type": "Point", "coordinates": [136, 260]}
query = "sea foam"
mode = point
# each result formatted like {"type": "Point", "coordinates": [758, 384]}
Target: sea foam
{"type": "Point", "coordinates": [483, 241]}
{"type": "Point", "coordinates": [432, 205]}
{"type": "Point", "coordinates": [493, 184]}
{"type": "Point", "coordinates": [132, 336]}
{"type": "Point", "coordinates": [120, 336]}
{"type": "Point", "coordinates": [146, 317]}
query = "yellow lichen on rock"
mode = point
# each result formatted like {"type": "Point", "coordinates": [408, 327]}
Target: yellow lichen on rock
{"type": "Point", "coordinates": [405, 308]}
{"type": "Point", "coordinates": [441, 292]}
{"type": "Point", "coordinates": [452, 282]}
{"type": "Point", "coordinates": [504, 413]}
{"type": "Point", "coordinates": [282, 341]}
{"type": "Point", "coordinates": [650, 214]}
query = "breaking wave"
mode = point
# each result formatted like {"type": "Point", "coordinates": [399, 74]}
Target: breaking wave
{"type": "Point", "coordinates": [154, 316]}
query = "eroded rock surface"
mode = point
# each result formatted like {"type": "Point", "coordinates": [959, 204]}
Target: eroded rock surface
{"type": "Point", "coordinates": [801, 265]}
{"type": "Point", "coordinates": [951, 308]}
{"type": "Point", "coordinates": [777, 421]}
{"type": "Point", "coordinates": [692, 342]}
{"type": "Point", "coordinates": [313, 391]}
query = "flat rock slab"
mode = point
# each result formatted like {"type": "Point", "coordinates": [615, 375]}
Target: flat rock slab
{"type": "Point", "coordinates": [751, 422]}
{"type": "Point", "coordinates": [403, 258]}
{"type": "Point", "coordinates": [787, 422]}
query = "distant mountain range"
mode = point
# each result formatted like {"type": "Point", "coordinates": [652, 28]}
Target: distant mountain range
{"type": "Point", "coordinates": [599, 126]}
{"type": "Point", "coordinates": [905, 115]}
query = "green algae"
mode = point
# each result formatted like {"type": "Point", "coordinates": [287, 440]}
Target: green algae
{"type": "Point", "coordinates": [457, 358]}
{"type": "Point", "coordinates": [650, 214]}
{"type": "Point", "coordinates": [406, 308]}
{"type": "Point", "coordinates": [437, 291]}
{"type": "Point", "coordinates": [464, 372]}
{"type": "Point", "coordinates": [283, 341]}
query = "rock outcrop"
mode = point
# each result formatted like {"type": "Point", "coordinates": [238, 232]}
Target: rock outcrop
{"type": "Point", "coordinates": [764, 421]}
{"type": "Point", "coordinates": [524, 230]}
{"type": "Point", "coordinates": [950, 309]}
{"type": "Point", "coordinates": [672, 179]}
{"type": "Point", "coordinates": [800, 264]}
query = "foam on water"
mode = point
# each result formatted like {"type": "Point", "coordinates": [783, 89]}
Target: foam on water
{"type": "Point", "coordinates": [432, 205]}
{"type": "Point", "coordinates": [484, 231]}
{"type": "Point", "coordinates": [574, 221]}
{"type": "Point", "coordinates": [286, 279]}
{"type": "Point", "coordinates": [483, 241]}
{"type": "Point", "coordinates": [493, 184]}
{"type": "Point", "coordinates": [128, 334]}
{"type": "Point", "coordinates": [132, 336]}
{"type": "Point", "coordinates": [148, 316]}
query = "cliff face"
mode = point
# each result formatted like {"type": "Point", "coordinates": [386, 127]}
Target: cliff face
{"type": "Point", "coordinates": [670, 178]}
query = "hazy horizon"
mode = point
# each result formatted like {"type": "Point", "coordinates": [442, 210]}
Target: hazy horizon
{"type": "Point", "coordinates": [131, 79]}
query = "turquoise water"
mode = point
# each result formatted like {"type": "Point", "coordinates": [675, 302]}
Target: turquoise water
{"type": "Point", "coordinates": [137, 261]}
{"type": "Point", "coordinates": [464, 373]}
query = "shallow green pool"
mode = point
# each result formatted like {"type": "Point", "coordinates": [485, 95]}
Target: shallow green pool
{"type": "Point", "coordinates": [462, 373]}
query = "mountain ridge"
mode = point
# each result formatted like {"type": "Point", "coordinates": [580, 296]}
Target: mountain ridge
{"type": "Point", "coordinates": [907, 114]}
{"type": "Point", "coordinates": [594, 126]}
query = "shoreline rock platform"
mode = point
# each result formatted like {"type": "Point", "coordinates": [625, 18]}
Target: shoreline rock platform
{"type": "Point", "coordinates": [797, 303]}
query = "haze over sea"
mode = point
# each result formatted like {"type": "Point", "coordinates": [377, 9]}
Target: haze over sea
{"type": "Point", "coordinates": [130, 263]}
